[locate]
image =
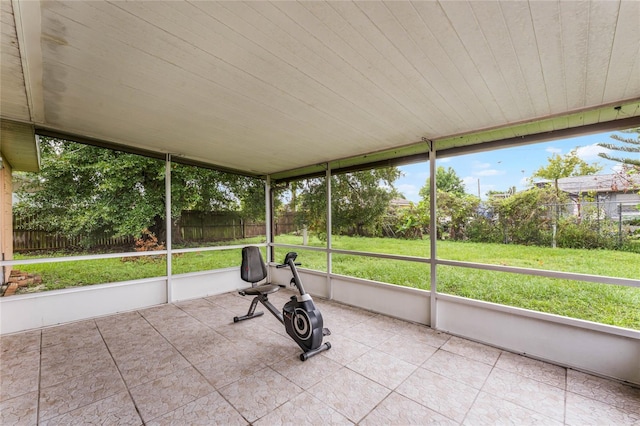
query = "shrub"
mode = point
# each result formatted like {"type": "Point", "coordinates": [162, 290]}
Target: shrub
{"type": "Point", "coordinates": [586, 234]}
{"type": "Point", "coordinates": [484, 230]}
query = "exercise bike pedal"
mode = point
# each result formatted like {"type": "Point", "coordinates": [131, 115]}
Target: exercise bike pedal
{"type": "Point", "coordinates": [326, 332]}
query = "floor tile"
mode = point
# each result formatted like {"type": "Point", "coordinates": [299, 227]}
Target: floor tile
{"type": "Point", "coordinates": [168, 393]}
{"type": "Point", "coordinates": [232, 302]}
{"type": "Point", "coordinates": [349, 393]}
{"type": "Point", "coordinates": [472, 350]}
{"type": "Point", "coordinates": [79, 391]}
{"type": "Point", "coordinates": [423, 334]}
{"type": "Point", "coordinates": [257, 395]}
{"type": "Point", "coordinates": [245, 331]}
{"type": "Point", "coordinates": [145, 367]}
{"type": "Point", "coordinates": [399, 410]}
{"type": "Point", "coordinates": [196, 344]}
{"type": "Point", "coordinates": [465, 370]}
{"type": "Point", "coordinates": [22, 342]}
{"type": "Point", "coordinates": [211, 409]}
{"type": "Point", "coordinates": [341, 317]}
{"type": "Point", "coordinates": [303, 409]}
{"type": "Point", "coordinates": [207, 312]}
{"type": "Point", "coordinates": [157, 315]}
{"type": "Point", "coordinates": [382, 368]}
{"type": "Point", "coordinates": [71, 335]}
{"type": "Point", "coordinates": [21, 410]}
{"type": "Point", "coordinates": [54, 354]}
{"type": "Point", "coordinates": [174, 328]}
{"type": "Point", "coordinates": [491, 410]}
{"type": "Point", "coordinates": [268, 347]}
{"type": "Point", "coordinates": [115, 410]}
{"type": "Point", "coordinates": [277, 348]}
{"type": "Point", "coordinates": [308, 373]}
{"type": "Point", "coordinates": [228, 363]}
{"type": "Point", "coordinates": [19, 374]}
{"type": "Point", "coordinates": [136, 345]}
{"type": "Point", "coordinates": [607, 391]}
{"type": "Point", "coordinates": [344, 350]}
{"type": "Point", "coordinates": [121, 324]}
{"type": "Point", "coordinates": [412, 350]}
{"type": "Point", "coordinates": [56, 370]}
{"type": "Point", "coordinates": [386, 323]}
{"type": "Point", "coordinates": [539, 397]}
{"type": "Point", "coordinates": [446, 396]}
{"type": "Point", "coordinates": [365, 334]}
{"type": "Point", "coordinates": [582, 411]}
{"type": "Point", "coordinates": [533, 369]}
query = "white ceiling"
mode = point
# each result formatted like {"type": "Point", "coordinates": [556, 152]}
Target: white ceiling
{"type": "Point", "coordinates": [267, 87]}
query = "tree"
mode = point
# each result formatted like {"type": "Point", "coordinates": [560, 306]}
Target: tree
{"type": "Point", "coordinates": [632, 146]}
{"type": "Point", "coordinates": [85, 191]}
{"type": "Point", "coordinates": [359, 201]}
{"type": "Point", "coordinates": [630, 167]}
{"type": "Point", "coordinates": [447, 180]}
{"type": "Point", "coordinates": [526, 217]}
{"type": "Point", "coordinates": [561, 166]}
{"type": "Point", "coordinates": [454, 211]}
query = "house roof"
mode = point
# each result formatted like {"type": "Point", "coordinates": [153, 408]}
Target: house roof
{"type": "Point", "coordinates": [599, 183]}
{"type": "Point", "coordinates": [286, 88]}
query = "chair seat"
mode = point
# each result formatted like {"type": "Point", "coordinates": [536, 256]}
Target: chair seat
{"type": "Point", "coordinates": [261, 289]}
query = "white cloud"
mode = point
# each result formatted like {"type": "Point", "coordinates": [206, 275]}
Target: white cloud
{"type": "Point", "coordinates": [411, 192]}
{"type": "Point", "coordinates": [553, 150]}
{"type": "Point", "coordinates": [590, 152]}
{"type": "Point", "coordinates": [489, 172]}
{"type": "Point", "coordinates": [470, 184]}
{"type": "Point", "coordinates": [477, 165]}
{"type": "Point", "coordinates": [525, 182]}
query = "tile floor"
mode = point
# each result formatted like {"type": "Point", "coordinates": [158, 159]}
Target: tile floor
{"type": "Point", "coordinates": [189, 364]}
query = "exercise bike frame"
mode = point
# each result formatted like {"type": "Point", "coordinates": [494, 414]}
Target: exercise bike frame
{"type": "Point", "coordinates": [303, 321]}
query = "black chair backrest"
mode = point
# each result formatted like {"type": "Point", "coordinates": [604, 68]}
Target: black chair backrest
{"type": "Point", "coordinates": [253, 268]}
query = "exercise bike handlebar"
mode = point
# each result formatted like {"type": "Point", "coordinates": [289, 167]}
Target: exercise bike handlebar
{"type": "Point", "coordinates": [290, 261]}
{"type": "Point", "coordinates": [284, 265]}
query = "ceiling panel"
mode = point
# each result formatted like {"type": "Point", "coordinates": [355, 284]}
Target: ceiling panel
{"type": "Point", "coordinates": [13, 99]}
{"type": "Point", "coordinates": [268, 87]}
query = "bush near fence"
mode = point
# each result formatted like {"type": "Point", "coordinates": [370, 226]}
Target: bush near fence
{"type": "Point", "coordinates": [586, 225]}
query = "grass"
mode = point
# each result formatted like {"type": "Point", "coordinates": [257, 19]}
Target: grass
{"type": "Point", "coordinates": [608, 304]}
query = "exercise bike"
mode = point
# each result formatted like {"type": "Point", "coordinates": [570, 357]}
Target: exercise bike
{"type": "Point", "coordinates": [301, 318]}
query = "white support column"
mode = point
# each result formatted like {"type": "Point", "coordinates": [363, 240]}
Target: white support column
{"type": "Point", "coordinates": [268, 212]}
{"type": "Point", "coordinates": [433, 233]}
{"type": "Point", "coordinates": [329, 230]}
{"type": "Point", "coordinates": [167, 195]}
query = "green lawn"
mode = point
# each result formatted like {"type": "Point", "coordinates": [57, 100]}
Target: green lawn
{"type": "Point", "coordinates": [607, 304]}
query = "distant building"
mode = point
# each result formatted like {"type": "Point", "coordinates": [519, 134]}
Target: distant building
{"type": "Point", "coordinates": [613, 192]}
{"type": "Point", "coordinates": [400, 203]}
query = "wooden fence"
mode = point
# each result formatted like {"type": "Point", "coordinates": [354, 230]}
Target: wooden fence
{"type": "Point", "coordinates": [27, 240]}
{"type": "Point", "coordinates": [191, 227]}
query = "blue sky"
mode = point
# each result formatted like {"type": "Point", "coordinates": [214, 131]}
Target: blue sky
{"type": "Point", "coordinates": [501, 169]}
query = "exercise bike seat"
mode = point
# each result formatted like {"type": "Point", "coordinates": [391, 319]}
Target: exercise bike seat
{"type": "Point", "coordinates": [253, 270]}
{"type": "Point", "coordinates": [260, 289]}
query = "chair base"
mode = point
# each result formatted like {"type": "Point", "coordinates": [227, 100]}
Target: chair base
{"type": "Point", "coordinates": [248, 316]}
{"type": "Point", "coordinates": [260, 298]}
